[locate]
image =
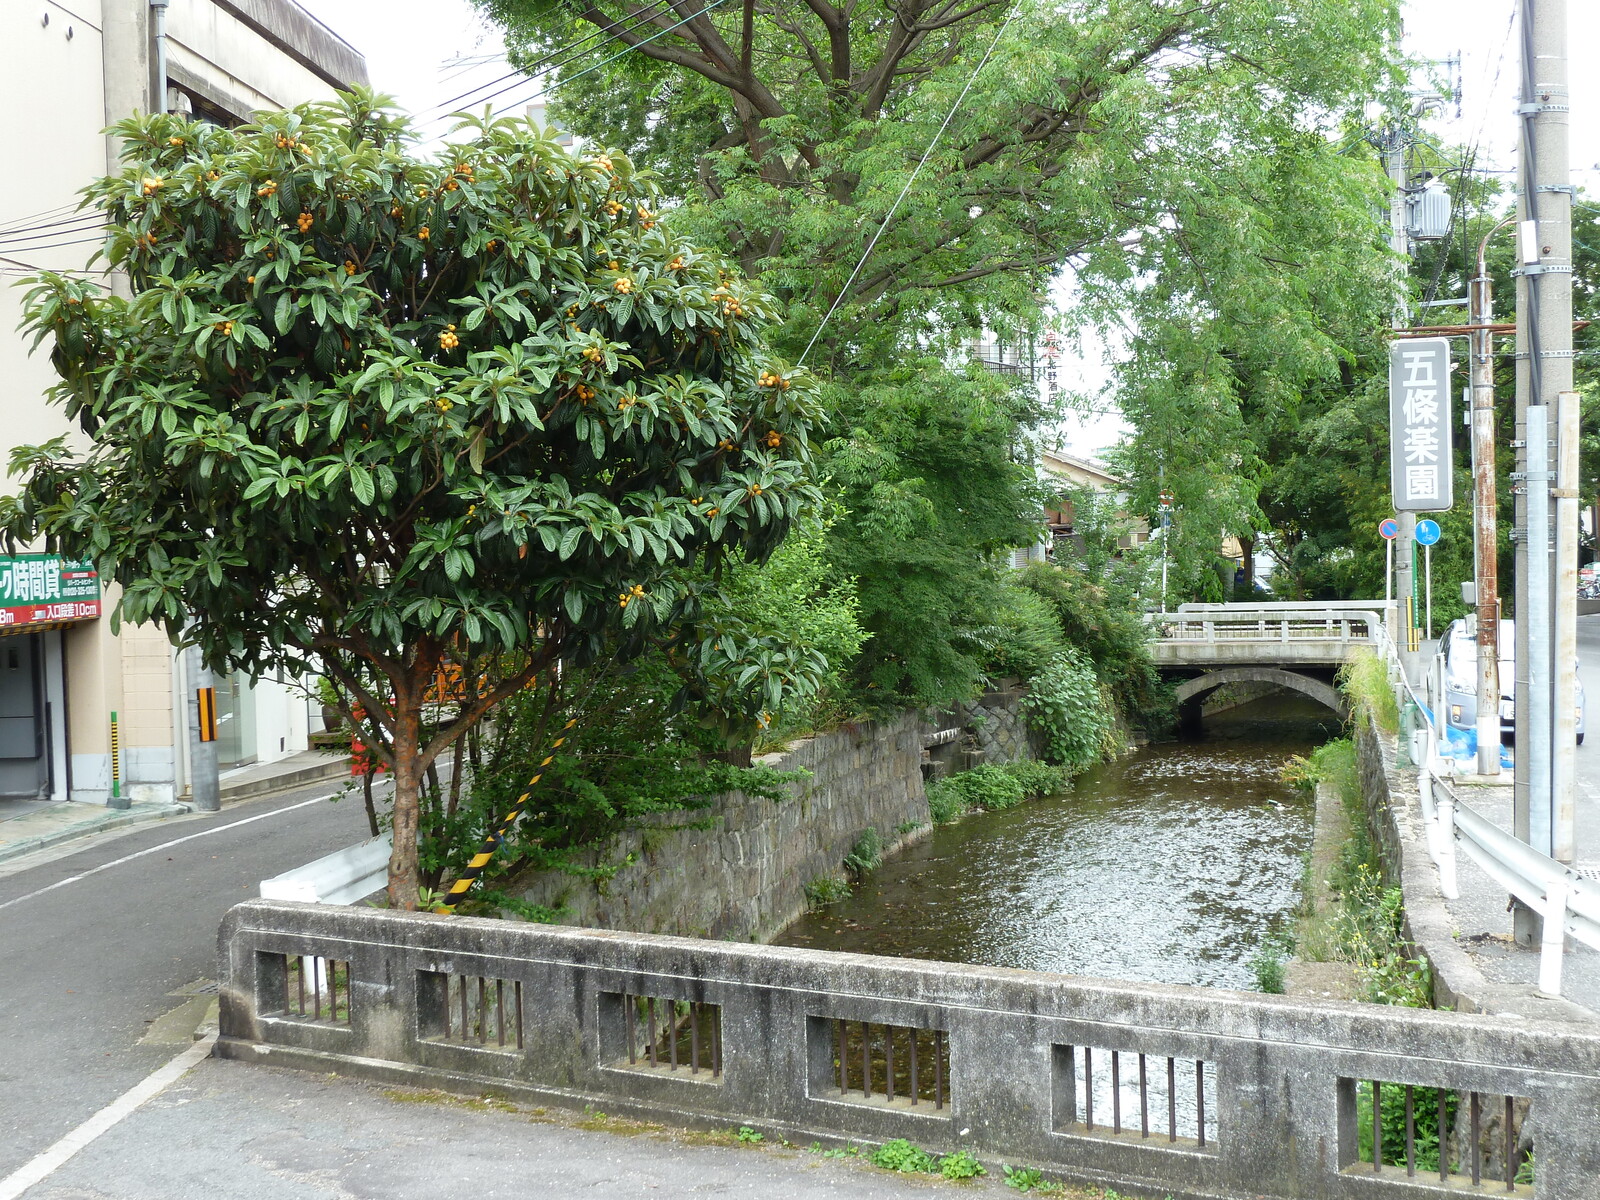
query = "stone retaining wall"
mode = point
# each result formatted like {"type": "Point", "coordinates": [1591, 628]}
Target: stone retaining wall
{"type": "Point", "coordinates": [997, 728]}
{"type": "Point", "coordinates": [743, 876]}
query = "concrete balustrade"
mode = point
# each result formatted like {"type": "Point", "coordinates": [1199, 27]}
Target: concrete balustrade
{"type": "Point", "coordinates": [1279, 1078]}
{"type": "Point", "coordinates": [1245, 635]}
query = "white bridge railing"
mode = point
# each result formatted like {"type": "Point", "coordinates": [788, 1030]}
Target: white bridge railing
{"type": "Point", "coordinates": [1261, 624]}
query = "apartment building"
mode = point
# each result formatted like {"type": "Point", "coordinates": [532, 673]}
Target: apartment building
{"type": "Point", "coordinates": [78, 703]}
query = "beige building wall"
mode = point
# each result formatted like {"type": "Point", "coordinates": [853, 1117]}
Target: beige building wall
{"type": "Point", "coordinates": [76, 67]}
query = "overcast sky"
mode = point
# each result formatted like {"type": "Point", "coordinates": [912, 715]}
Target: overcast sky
{"type": "Point", "coordinates": [413, 48]}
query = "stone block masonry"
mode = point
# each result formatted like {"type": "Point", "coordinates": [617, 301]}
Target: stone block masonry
{"type": "Point", "coordinates": [1217, 1095]}
{"type": "Point", "coordinates": [997, 726]}
{"type": "Point", "coordinates": [743, 875]}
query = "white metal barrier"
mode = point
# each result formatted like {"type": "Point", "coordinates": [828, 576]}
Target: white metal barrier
{"type": "Point", "coordinates": [1568, 903]}
{"type": "Point", "coordinates": [342, 877]}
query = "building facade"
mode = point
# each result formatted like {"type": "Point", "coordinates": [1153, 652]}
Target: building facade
{"type": "Point", "coordinates": [86, 714]}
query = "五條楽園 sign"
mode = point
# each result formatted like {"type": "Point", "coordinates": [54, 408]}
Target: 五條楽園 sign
{"type": "Point", "coordinates": [1421, 456]}
{"type": "Point", "coordinates": [42, 589]}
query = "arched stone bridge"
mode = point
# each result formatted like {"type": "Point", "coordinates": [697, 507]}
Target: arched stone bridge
{"type": "Point", "coordinates": [1295, 646]}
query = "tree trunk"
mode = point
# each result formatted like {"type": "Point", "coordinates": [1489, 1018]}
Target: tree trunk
{"type": "Point", "coordinates": [372, 808]}
{"type": "Point", "coordinates": [407, 791]}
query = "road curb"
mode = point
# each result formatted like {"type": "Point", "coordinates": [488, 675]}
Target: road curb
{"type": "Point", "coordinates": [256, 789]}
{"type": "Point", "coordinates": [110, 819]}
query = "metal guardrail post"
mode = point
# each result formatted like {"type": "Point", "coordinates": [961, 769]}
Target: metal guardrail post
{"type": "Point", "coordinates": [1446, 859]}
{"type": "Point", "coordinates": [1554, 942]}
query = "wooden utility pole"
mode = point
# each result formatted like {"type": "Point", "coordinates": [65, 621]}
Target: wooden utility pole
{"type": "Point", "coordinates": [1485, 520]}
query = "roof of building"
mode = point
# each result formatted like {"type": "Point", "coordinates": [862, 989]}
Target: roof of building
{"type": "Point", "coordinates": [1078, 470]}
{"type": "Point", "coordinates": [303, 38]}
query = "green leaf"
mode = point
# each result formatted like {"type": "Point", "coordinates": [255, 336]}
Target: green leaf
{"type": "Point", "coordinates": [361, 485]}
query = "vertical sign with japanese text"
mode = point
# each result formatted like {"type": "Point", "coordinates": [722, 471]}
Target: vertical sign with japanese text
{"type": "Point", "coordinates": [1421, 454]}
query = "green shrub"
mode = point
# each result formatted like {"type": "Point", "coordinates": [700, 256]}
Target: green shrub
{"type": "Point", "coordinates": [901, 1155]}
{"type": "Point", "coordinates": [867, 854]}
{"type": "Point", "coordinates": [1024, 637]}
{"type": "Point", "coordinates": [1333, 763]}
{"type": "Point", "coordinates": [1098, 611]}
{"type": "Point", "coordinates": [945, 803]}
{"type": "Point", "coordinates": [1268, 966]}
{"type": "Point", "coordinates": [987, 786]}
{"type": "Point", "coordinates": [960, 1165]}
{"type": "Point", "coordinates": [1037, 778]}
{"type": "Point", "coordinates": [825, 889]}
{"type": "Point", "coordinates": [1425, 1123]}
{"type": "Point", "coordinates": [1023, 1179]}
{"type": "Point", "coordinates": [1068, 708]}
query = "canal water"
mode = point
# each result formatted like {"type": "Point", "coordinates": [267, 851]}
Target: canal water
{"type": "Point", "coordinates": [1172, 865]}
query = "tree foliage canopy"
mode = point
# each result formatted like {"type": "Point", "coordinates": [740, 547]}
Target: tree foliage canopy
{"type": "Point", "coordinates": [365, 412]}
{"type": "Point", "coordinates": [1113, 135]}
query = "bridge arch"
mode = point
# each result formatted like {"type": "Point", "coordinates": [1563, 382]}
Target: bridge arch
{"type": "Point", "coordinates": [1324, 693]}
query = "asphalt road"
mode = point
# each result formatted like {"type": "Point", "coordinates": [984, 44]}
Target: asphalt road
{"type": "Point", "coordinates": [1588, 760]}
{"type": "Point", "coordinates": [86, 966]}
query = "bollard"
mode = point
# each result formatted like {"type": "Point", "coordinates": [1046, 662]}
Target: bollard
{"type": "Point", "coordinates": [117, 799]}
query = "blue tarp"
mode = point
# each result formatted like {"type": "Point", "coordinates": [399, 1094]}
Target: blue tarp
{"type": "Point", "coordinates": [1462, 745]}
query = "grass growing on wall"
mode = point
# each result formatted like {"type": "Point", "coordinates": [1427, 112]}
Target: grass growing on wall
{"type": "Point", "coordinates": [1365, 926]}
{"type": "Point", "coordinates": [1364, 679]}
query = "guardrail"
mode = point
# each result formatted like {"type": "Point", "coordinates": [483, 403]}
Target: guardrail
{"type": "Point", "coordinates": [1568, 904]}
{"type": "Point", "coordinates": [1181, 1091]}
{"type": "Point", "coordinates": [342, 877]}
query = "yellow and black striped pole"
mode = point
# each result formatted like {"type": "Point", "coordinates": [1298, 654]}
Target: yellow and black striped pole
{"type": "Point", "coordinates": [491, 842]}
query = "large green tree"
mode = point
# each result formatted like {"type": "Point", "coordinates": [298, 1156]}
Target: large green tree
{"type": "Point", "coordinates": [1101, 133]}
{"type": "Point", "coordinates": [370, 414]}
{"type": "Point", "coordinates": [1182, 157]}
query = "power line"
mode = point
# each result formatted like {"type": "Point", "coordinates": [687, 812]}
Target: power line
{"type": "Point", "coordinates": [893, 208]}
{"type": "Point", "coordinates": [34, 233]}
{"type": "Point", "coordinates": [53, 213]}
{"type": "Point", "coordinates": [630, 48]}
{"type": "Point", "coordinates": [517, 77]}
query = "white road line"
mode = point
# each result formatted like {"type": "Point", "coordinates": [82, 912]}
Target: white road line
{"type": "Point", "coordinates": [44, 1164]}
{"type": "Point", "coordinates": [117, 862]}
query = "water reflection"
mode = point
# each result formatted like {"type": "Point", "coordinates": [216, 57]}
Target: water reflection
{"type": "Point", "coordinates": [1169, 866]}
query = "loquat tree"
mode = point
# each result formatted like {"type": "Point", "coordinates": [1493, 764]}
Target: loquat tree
{"type": "Point", "coordinates": [382, 417]}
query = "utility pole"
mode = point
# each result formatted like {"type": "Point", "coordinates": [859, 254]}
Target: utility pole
{"type": "Point", "coordinates": [204, 782]}
{"type": "Point", "coordinates": [1544, 372]}
{"type": "Point", "coordinates": [1406, 552]}
{"type": "Point", "coordinates": [1485, 523]}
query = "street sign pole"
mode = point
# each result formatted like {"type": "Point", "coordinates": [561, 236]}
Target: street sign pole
{"type": "Point", "coordinates": [1427, 570]}
{"type": "Point", "coordinates": [1388, 530]}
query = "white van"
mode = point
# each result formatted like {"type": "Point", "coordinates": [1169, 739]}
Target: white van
{"type": "Point", "coordinates": [1461, 680]}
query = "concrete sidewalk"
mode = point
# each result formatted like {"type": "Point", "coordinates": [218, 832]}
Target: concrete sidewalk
{"type": "Point", "coordinates": [27, 826]}
{"type": "Point", "coordinates": [253, 1132]}
{"type": "Point", "coordinates": [1483, 921]}
{"type": "Point", "coordinates": [1480, 917]}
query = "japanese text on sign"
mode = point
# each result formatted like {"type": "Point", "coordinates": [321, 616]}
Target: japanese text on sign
{"type": "Point", "coordinates": [1421, 457]}
{"type": "Point", "coordinates": [41, 589]}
